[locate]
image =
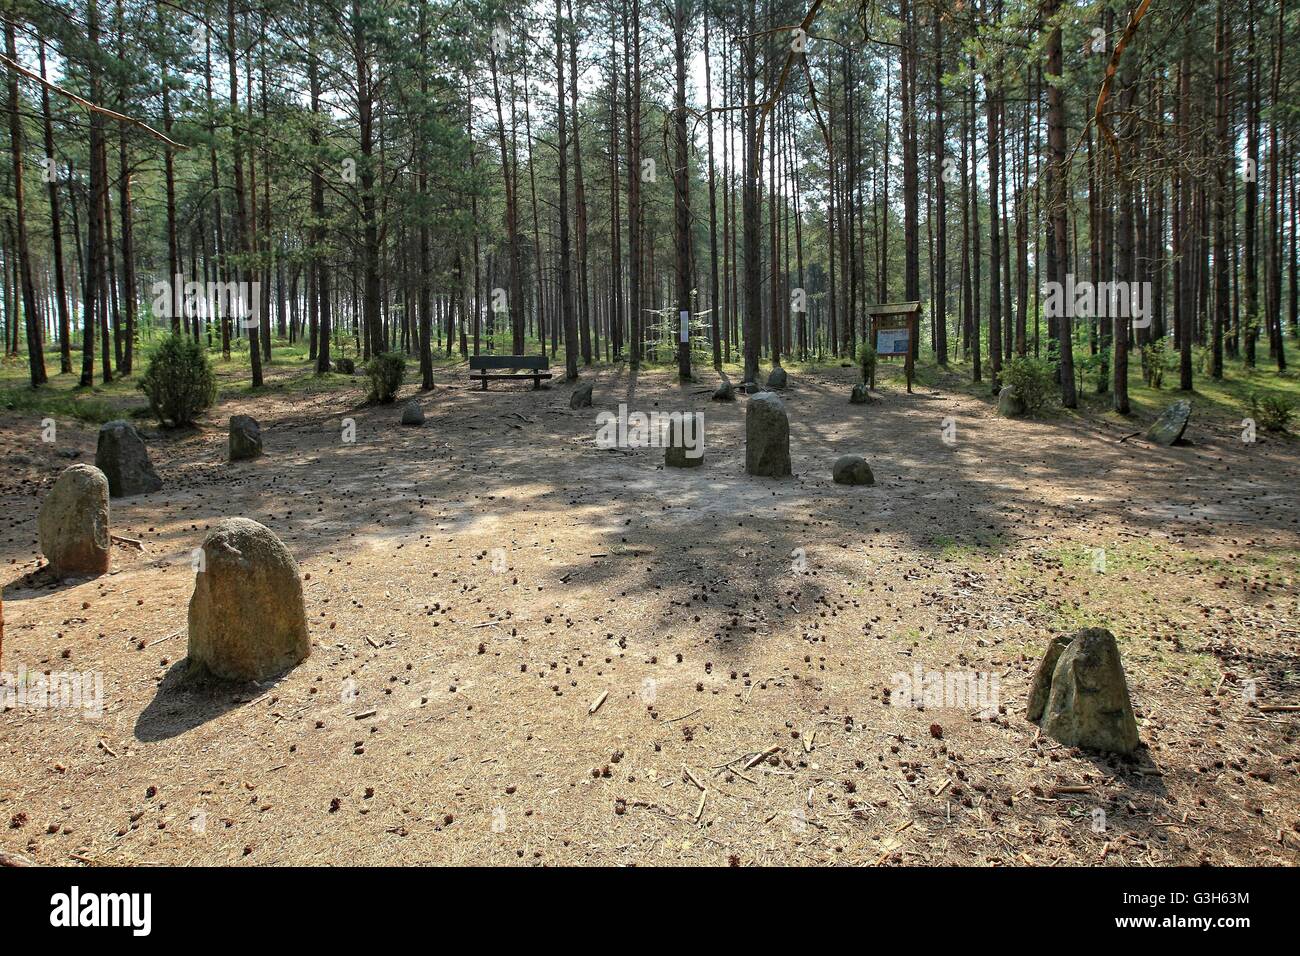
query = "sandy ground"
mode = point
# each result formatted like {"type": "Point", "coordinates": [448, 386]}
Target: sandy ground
{"type": "Point", "coordinates": [444, 715]}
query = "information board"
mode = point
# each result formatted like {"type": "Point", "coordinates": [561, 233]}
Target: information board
{"type": "Point", "coordinates": [893, 341]}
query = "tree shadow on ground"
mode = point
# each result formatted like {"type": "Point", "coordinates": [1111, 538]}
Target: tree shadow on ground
{"type": "Point", "coordinates": [42, 583]}
{"type": "Point", "coordinates": [495, 469]}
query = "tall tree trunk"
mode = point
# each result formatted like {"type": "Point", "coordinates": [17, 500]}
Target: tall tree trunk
{"type": "Point", "coordinates": [995, 242]}
{"type": "Point", "coordinates": [566, 265]}
{"type": "Point", "coordinates": [31, 317]}
{"type": "Point", "coordinates": [169, 180]}
{"type": "Point", "coordinates": [714, 309]}
{"type": "Point", "coordinates": [56, 228]}
{"type": "Point", "coordinates": [127, 361]}
{"type": "Point", "coordinates": [372, 295]}
{"type": "Point", "coordinates": [92, 273]}
{"type": "Point", "coordinates": [1251, 202]}
{"type": "Point", "coordinates": [516, 297]}
{"type": "Point", "coordinates": [1058, 197]}
{"type": "Point", "coordinates": [615, 335]}
{"type": "Point", "coordinates": [243, 226]}
{"type": "Point", "coordinates": [941, 166]}
{"type": "Point", "coordinates": [752, 332]}
{"type": "Point", "coordinates": [223, 264]}
{"type": "Point", "coordinates": [1277, 341]}
{"type": "Point", "coordinates": [579, 201]}
{"type": "Point", "coordinates": [426, 265]}
{"type": "Point", "coordinates": [636, 169]}
{"type": "Point", "coordinates": [682, 196]}
{"type": "Point", "coordinates": [320, 272]}
{"type": "Point", "coordinates": [1223, 145]}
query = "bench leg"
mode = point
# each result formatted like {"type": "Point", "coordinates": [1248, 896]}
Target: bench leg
{"type": "Point", "coordinates": [484, 380]}
{"type": "Point", "coordinates": [537, 382]}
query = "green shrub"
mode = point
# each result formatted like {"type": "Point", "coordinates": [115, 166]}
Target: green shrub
{"type": "Point", "coordinates": [1273, 413]}
{"type": "Point", "coordinates": [179, 382]}
{"type": "Point", "coordinates": [1155, 361]}
{"type": "Point", "coordinates": [1201, 359]}
{"type": "Point", "coordinates": [1095, 364]}
{"type": "Point", "coordinates": [867, 362]}
{"type": "Point", "coordinates": [385, 372]}
{"type": "Point", "coordinates": [1033, 380]}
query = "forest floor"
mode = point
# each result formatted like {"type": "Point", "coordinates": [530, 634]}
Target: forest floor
{"type": "Point", "coordinates": [667, 666]}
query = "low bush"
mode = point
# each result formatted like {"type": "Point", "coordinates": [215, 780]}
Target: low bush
{"type": "Point", "coordinates": [179, 381]}
{"type": "Point", "coordinates": [1155, 361]}
{"type": "Point", "coordinates": [1273, 413]}
{"type": "Point", "coordinates": [1033, 380]}
{"type": "Point", "coordinates": [385, 372]}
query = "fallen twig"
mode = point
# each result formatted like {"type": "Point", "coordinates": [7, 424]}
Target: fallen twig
{"type": "Point", "coordinates": [758, 758]}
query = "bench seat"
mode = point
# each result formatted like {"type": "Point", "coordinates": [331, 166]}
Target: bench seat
{"type": "Point", "coordinates": [523, 367]}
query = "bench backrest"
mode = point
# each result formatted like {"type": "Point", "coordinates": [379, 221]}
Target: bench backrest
{"type": "Point", "coordinates": [484, 362]}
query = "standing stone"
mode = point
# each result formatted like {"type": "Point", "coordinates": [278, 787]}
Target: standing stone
{"type": "Point", "coordinates": [852, 470]}
{"type": "Point", "coordinates": [725, 392]}
{"type": "Point", "coordinates": [581, 397]}
{"type": "Point", "coordinates": [777, 377]}
{"type": "Point", "coordinates": [676, 454]}
{"type": "Point", "coordinates": [1088, 705]}
{"type": "Point", "coordinates": [412, 413]}
{"type": "Point", "coordinates": [245, 438]}
{"type": "Point", "coordinates": [1040, 688]}
{"type": "Point", "coordinates": [73, 523]}
{"type": "Point", "coordinates": [767, 437]}
{"type": "Point", "coordinates": [1009, 403]}
{"type": "Point", "coordinates": [247, 620]}
{"type": "Point", "coordinates": [1169, 427]}
{"type": "Point", "coordinates": [345, 366]}
{"type": "Point", "coordinates": [859, 395]}
{"type": "Point", "coordinates": [751, 388]}
{"type": "Point", "coordinates": [123, 458]}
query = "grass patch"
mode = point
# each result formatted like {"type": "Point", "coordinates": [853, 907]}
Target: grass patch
{"type": "Point", "coordinates": [961, 549]}
{"type": "Point", "coordinates": [1225, 400]}
{"type": "Point", "coordinates": [1120, 556]}
{"type": "Point", "coordinates": [87, 405]}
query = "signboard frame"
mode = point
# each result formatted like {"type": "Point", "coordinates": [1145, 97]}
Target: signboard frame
{"type": "Point", "coordinates": [891, 316]}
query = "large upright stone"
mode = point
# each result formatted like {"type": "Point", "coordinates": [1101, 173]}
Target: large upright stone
{"type": "Point", "coordinates": [581, 396]}
{"type": "Point", "coordinates": [777, 377]}
{"type": "Point", "coordinates": [1169, 427]}
{"type": "Point", "coordinates": [245, 438]}
{"type": "Point", "coordinates": [859, 395]}
{"type": "Point", "coordinates": [345, 366]}
{"type": "Point", "coordinates": [73, 523]}
{"type": "Point", "coordinates": [1009, 403]}
{"type": "Point", "coordinates": [767, 437]}
{"type": "Point", "coordinates": [1088, 705]}
{"type": "Point", "coordinates": [247, 620]}
{"type": "Point", "coordinates": [685, 444]}
{"type": "Point", "coordinates": [123, 458]}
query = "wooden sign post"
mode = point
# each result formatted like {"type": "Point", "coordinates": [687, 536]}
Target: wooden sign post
{"type": "Point", "coordinates": [893, 334]}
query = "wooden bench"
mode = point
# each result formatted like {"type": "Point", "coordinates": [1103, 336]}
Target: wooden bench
{"type": "Point", "coordinates": [485, 364]}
